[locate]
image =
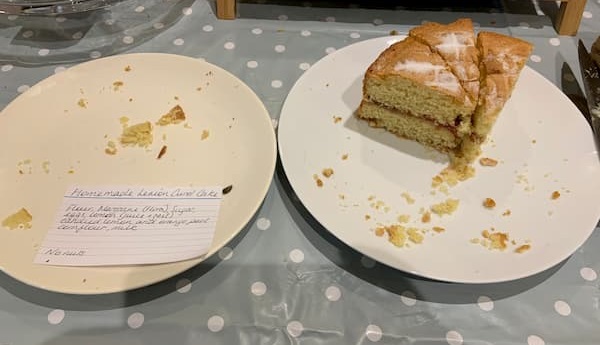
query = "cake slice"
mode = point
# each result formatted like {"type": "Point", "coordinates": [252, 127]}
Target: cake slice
{"type": "Point", "coordinates": [409, 80]}
{"type": "Point", "coordinates": [455, 43]}
{"type": "Point", "coordinates": [502, 59]}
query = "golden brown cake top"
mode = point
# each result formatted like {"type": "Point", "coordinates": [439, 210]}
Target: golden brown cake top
{"type": "Point", "coordinates": [455, 42]}
{"type": "Point", "coordinates": [414, 60]}
{"type": "Point", "coordinates": [503, 54]}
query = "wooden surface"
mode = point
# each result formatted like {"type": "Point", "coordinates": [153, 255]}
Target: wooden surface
{"type": "Point", "coordinates": [566, 23]}
{"type": "Point", "coordinates": [226, 9]}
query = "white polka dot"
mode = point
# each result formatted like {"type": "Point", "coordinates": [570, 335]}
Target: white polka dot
{"type": "Point", "coordinates": [208, 28]}
{"type": "Point", "coordinates": [95, 54]}
{"type": "Point", "coordinates": [535, 340]}
{"type": "Point", "coordinates": [355, 35]}
{"type": "Point", "coordinates": [330, 19]}
{"type": "Point", "coordinates": [296, 255]}
{"type": "Point", "coordinates": [109, 21]}
{"type": "Point", "coordinates": [524, 25]}
{"type": "Point", "coordinates": [178, 42]}
{"type": "Point", "coordinates": [229, 45]}
{"type": "Point", "coordinates": [263, 223]}
{"type": "Point", "coordinates": [139, 9]}
{"type": "Point", "coordinates": [159, 26]}
{"type": "Point", "coordinates": [555, 41]}
{"type": "Point", "coordinates": [258, 288]}
{"type": "Point", "coordinates": [187, 11]}
{"type": "Point", "coordinates": [367, 262]}
{"type": "Point", "coordinates": [27, 34]}
{"type": "Point", "coordinates": [485, 303]}
{"type": "Point", "coordinates": [304, 66]}
{"type": "Point", "coordinates": [12, 17]}
{"type": "Point", "coordinates": [56, 316]}
{"type": "Point", "coordinates": [280, 48]}
{"type": "Point", "coordinates": [377, 21]}
{"type": "Point", "coordinates": [588, 274]}
{"type": "Point", "coordinates": [257, 31]}
{"type": "Point", "coordinates": [329, 50]}
{"type": "Point", "coordinates": [535, 58]}
{"type": "Point", "coordinates": [587, 14]}
{"type": "Point", "coordinates": [7, 67]}
{"type": "Point", "coordinates": [563, 308]}
{"type": "Point", "coordinates": [295, 328]}
{"type": "Point", "coordinates": [252, 64]}
{"type": "Point", "coordinates": [333, 293]}
{"type": "Point", "coordinates": [128, 39]}
{"type": "Point", "coordinates": [454, 338]}
{"type": "Point", "coordinates": [60, 19]}
{"type": "Point", "coordinates": [276, 84]}
{"type": "Point", "coordinates": [282, 17]}
{"type": "Point", "coordinates": [60, 69]}
{"type": "Point", "coordinates": [43, 52]}
{"type": "Point", "coordinates": [135, 320]}
{"type": "Point", "coordinates": [23, 88]}
{"type": "Point", "coordinates": [225, 253]}
{"type": "Point", "coordinates": [373, 333]}
{"type": "Point", "coordinates": [275, 123]}
{"type": "Point", "coordinates": [305, 33]}
{"type": "Point", "coordinates": [215, 323]}
{"type": "Point", "coordinates": [408, 298]}
{"type": "Point", "coordinates": [183, 285]}
{"type": "Point", "coordinates": [78, 35]}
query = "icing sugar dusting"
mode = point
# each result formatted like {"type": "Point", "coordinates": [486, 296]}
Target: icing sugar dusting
{"type": "Point", "coordinates": [442, 78]}
{"type": "Point", "coordinates": [454, 44]}
{"type": "Point", "coordinates": [418, 67]}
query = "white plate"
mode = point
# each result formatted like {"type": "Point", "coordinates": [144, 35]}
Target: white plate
{"type": "Point", "coordinates": [46, 124]}
{"type": "Point", "coordinates": [542, 141]}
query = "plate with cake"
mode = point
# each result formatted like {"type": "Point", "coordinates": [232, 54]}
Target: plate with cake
{"type": "Point", "coordinates": [147, 119]}
{"type": "Point", "coordinates": [442, 154]}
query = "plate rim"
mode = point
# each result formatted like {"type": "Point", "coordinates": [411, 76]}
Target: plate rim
{"type": "Point", "coordinates": [383, 40]}
{"type": "Point", "coordinates": [183, 265]}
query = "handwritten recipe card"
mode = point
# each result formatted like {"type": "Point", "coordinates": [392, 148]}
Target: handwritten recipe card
{"type": "Point", "coordinates": [131, 225]}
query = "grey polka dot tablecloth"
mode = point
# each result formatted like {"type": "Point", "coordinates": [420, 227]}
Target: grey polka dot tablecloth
{"type": "Point", "coordinates": [285, 280]}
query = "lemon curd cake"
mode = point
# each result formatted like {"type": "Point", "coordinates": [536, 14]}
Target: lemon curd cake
{"type": "Point", "coordinates": [443, 86]}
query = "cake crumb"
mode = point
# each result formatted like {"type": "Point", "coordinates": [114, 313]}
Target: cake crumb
{"type": "Point", "coordinates": [318, 181]}
{"type": "Point", "coordinates": [426, 217]}
{"type": "Point", "coordinates": [204, 135]}
{"type": "Point", "coordinates": [337, 119]}
{"type": "Point", "coordinates": [404, 218]}
{"type": "Point", "coordinates": [438, 229]}
{"type": "Point", "coordinates": [18, 220]}
{"type": "Point", "coordinates": [488, 162]}
{"type": "Point", "coordinates": [344, 156]}
{"type": "Point", "coordinates": [137, 135]}
{"type": "Point", "coordinates": [127, 68]}
{"type": "Point", "coordinates": [379, 232]}
{"type": "Point", "coordinates": [474, 240]}
{"type": "Point", "coordinates": [46, 166]}
{"type": "Point", "coordinates": [555, 195]}
{"type": "Point", "coordinates": [446, 207]}
{"type": "Point", "coordinates": [124, 120]}
{"type": "Point", "coordinates": [506, 213]}
{"type": "Point", "coordinates": [414, 235]}
{"type": "Point", "coordinates": [71, 171]}
{"type": "Point", "coordinates": [533, 141]}
{"type": "Point", "coordinates": [371, 197]}
{"type": "Point", "coordinates": [489, 203]}
{"type": "Point", "coordinates": [498, 240]}
{"type": "Point", "coordinates": [523, 248]}
{"type": "Point", "coordinates": [162, 152]}
{"type": "Point", "coordinates": [396, 235]}
{"type": "Point", "coordinates": [327, 172]}
{"type": "Point", "coordinates": [409, 199]}
{"type": "Point", "coordinates": [111, 148]}
{"type": "Point", "coordinates": [174, 116]}
{"type": "Point", "coordinates": [117, 85]}
{"type": "Point", "coordinates": [82, 103]}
